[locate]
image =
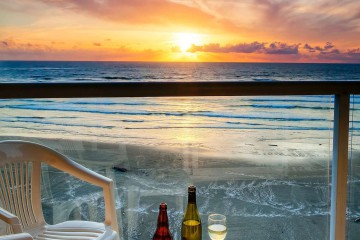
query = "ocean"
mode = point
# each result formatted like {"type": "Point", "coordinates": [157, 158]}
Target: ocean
{"type": "Point", "coordinates": [52, 71]}
{"type": "Point", "coordinates": [255, 159]}
{"type": "Point", "coordinates": [107, 119]}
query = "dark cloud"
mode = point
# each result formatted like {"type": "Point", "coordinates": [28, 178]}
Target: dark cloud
{"type": "Point", "coordinates": [247, 48]}
{"type": "Point", "coordinates": [4, 44]}
{"type": "Point", "coordinates": [329, 52]}
{"type": "Point", "coordinates": [328, 48]}
{"type": "Point", "coordinates": [354, 52]}
{"type": "Point", "coordinates": [350, 56]}
{"type": "Point", "coordinates": [13, 45]}
{"type": "Point", "coordinates": [7, 43]}
{"type": "Point", "coordinates": [282, 48]}
{"type": "Point", "coordinates": [97, 44]}
{"type": "Point", "coordinates": [254, 47]}
{"type": "Point", "coordinates": [326, 53]}
{"type": "Point", "coordinates": [239, 48]}
{"type": "Point", "coordinates": [309, 48]}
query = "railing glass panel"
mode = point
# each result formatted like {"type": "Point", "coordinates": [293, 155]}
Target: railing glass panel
{"type": "Point", "coordinates": [264, 162]}
{"type": "Point", "coordinates": [353, 209]}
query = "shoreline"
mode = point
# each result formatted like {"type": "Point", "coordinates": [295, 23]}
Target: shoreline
{"type": "Point", "coordinates": [128, 156]}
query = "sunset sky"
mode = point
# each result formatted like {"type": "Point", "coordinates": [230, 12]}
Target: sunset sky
{"type": "Point", "coordinates": [181, 30]}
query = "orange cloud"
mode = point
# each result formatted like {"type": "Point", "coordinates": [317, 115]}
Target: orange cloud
{"type": "Point", "coordinates": [11, 49]}
{"type": "Point", "coordinates": [145, 12]}
{"type": "Point", "coordinates": [263, 30]}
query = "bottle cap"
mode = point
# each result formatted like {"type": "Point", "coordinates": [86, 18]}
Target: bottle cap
{"type": "Point", "coordinates": [192, 188]}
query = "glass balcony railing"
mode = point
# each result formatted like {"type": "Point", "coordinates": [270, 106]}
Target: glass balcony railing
{"type": "Point", "coordinates": [269, 156]}
{"type": "Point", "coordinates": [353, 207]}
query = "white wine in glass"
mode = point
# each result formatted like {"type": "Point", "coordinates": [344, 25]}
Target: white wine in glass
{"type": "Point", "coordinates": [217, 226]}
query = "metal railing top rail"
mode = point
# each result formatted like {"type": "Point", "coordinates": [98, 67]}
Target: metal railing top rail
{"type": "Point", "coordinates": [173, 89]}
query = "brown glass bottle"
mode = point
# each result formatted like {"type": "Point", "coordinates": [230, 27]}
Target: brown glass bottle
{"type": "Point", "coordinates": [162, 230]}
{"type": "Point", "coordinates": [191, 224]}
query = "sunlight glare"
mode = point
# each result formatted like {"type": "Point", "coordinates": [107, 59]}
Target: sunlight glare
{"type": "Point", "coordinates": [185, 40]}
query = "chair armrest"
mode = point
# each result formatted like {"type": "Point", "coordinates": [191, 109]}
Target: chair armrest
{"type": "Point", "coordinates": [11, 219]}
{"type": "Point", "coordinates": [19, 236]}
{"type": "Point", "coordinates": [77, 170]}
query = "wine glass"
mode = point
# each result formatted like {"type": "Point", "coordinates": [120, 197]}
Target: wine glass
{"type": "Point", "coordinates": [217, 226]}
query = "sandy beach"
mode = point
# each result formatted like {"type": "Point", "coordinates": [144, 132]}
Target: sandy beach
{"type": "Point", "coordinates": [288, 200]}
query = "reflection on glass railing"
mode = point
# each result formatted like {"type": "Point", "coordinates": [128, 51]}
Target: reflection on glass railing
{"type": "Point", "coordinates": [260, 161]}
{"type": "Point", "coordinates": [353, 208]}
{"type": "Point", "coordinates": [277, 196]}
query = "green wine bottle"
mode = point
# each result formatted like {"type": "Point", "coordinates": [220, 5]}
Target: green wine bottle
{"type": "Point", "coordinates": [191, 223]}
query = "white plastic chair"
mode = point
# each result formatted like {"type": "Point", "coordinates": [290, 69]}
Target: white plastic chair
{"type": "Point", "coordinates": [20, 196]}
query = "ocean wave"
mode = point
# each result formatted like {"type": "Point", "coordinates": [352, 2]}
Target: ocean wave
{"type": "Point", "coordinates": [116, 77]}
{"type": "Point", "coordinates": [249, 127]}
{"type": "Point", "coordinates": [264, 80]}
{"type": "Point", "coordinates": [65, 108]}
{"type": "Point", "coordinates": [38, 120]}
{"type": "Point", "coordinates": [307, 99]}
{"type": "Point", "coordinates": [105, 103]}
{"type": "Point", "coordinates": [287, 106]}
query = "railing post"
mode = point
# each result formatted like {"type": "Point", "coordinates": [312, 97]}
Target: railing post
{"type": "Point", "coordinates": [339, 167]}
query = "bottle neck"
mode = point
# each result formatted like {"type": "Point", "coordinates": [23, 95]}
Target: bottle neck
{"type": "Point", "coordinates": [192, 198]}
{"type": "Point", "coordinates": [163, 220]}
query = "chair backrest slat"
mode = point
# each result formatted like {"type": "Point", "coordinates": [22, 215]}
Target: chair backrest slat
{"type": "Point", "coordinates": [30, 218]}
{"type": "Point", "coordinates": [22, 188]}
{"type": "Point", "coordinates": [9, 200]}
{"type": "Point", "coordinates": [16, 170]}
{"type": "Point", "coordinates": [4, 190]}
{"type": "Point", "coordinates": [25, 171]}
{"type": "Point", "coordinates": [15, 187]}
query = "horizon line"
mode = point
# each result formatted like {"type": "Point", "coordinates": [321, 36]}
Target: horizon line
{"type": "Point", "coordinates": [143, 61]}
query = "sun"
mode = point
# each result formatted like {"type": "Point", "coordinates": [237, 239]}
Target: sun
{"type": "Point", "coordinates": [185, 40]}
